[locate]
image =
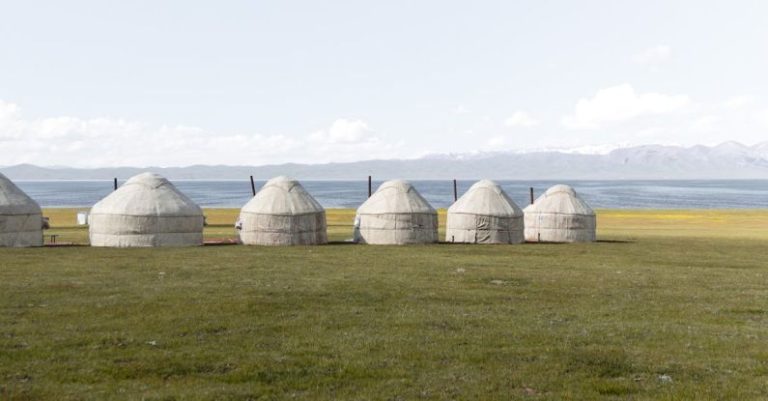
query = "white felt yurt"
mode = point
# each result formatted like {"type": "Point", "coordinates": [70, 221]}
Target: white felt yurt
{"type": "Point", "coordinates": [560, 215]}
{"type": "Point", "coordinates": [21, 220]}
{"type": "Point", "coordinates": [396, 214]}
{"type": "Point", "coordinates": [147, 211]}
{"type": "Point", "coordinates": [283, 213]}
{"type": "Point", "coordinates": [485, 214]}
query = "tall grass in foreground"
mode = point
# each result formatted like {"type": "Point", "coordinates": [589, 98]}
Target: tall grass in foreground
{"type": "Point", "coordinates": [672, 305]}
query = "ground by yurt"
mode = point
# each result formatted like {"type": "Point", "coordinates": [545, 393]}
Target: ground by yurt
{"type": "Point", "coordinates": [396, 214]}
{"type": "Point", "coordinates": [485, 214]}
{"type": "Point", "coordinates": [147, 211]}
{"type": "Point", "coordinates": [21, 220]}
{"type": "Point", "coordinates": [560, 215]}
{"type": "Point", "coordinates": [282, 213]}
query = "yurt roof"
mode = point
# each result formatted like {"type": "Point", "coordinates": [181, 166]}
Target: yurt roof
{"type": "Point", "coordinates": [486, 198]}
{"type": "Point", "coordinates": [395, 196]}
{"type": "Point", "coordinates": [147, 194]}
{"type": "Point", "coordinates": [283, 196]}
{"type": "Point", "coordinates": [560, 199]}
{"type": "Point", "coordinates": [13, 201]}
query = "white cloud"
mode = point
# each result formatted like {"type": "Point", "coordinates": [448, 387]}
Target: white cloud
{"type": "Point", "coordinates": [99, 142]}
{"type": "Point", "coordinates": [344, 131]}
{"type": "Point", "coordinates": [520, 119]}
{"type": "Point", "coordinates": [740, 102]}
{"type": "Point", "coordinates": [8, 112]}
{"type": "Point", "coordinates": [461, 109]}
{"type": "Point", "coordinates": [496, 141]}
{"type": "Point", "coordinates": [348, 140]}
{"type": "Point", "coordinates": [762, 118]}
{"type": "Point", "coordinates": [621, 103]}
{"type": "Point", "coordinates": [705, 124]}
{"type": "Point", "coordinates": [653, 56]}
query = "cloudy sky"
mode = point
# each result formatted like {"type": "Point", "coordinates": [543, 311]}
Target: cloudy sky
{"type": "Point", "coordinates": [95, 83]}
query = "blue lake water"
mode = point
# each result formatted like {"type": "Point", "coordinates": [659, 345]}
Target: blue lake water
{"type": "Point", "coordinates": [709, 194]}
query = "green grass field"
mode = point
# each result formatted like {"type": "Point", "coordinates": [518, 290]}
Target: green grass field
{"type": "Point", "coordinates": [669, 305]}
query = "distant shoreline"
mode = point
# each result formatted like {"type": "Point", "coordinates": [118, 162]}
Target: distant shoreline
{"type": "Point", "coordinates": [331, 194]}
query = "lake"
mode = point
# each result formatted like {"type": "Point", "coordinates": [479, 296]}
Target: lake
{"type": "Point", "coordinates": [708, 194]}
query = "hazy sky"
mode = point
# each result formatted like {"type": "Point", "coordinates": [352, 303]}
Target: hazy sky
{"type": "Point", "coordinates": [96, 83]}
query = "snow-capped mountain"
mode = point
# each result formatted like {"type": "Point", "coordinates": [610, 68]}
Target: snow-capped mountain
{"type": "Point", "coordinates": [729, 160]}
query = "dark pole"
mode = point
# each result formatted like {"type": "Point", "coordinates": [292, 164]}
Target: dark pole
{"type": "Point", "coordinates": [455, 191]}
{"type": "Point", "coordinates": [253, 187]}
{"type": "Point", "coordinates": [370, 189]}
{"type": "Point", "coordinates": [115, 183]}
{"type": "Point", "coordinates": [531, 195]}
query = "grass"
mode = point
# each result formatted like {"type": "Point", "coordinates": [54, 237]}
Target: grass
{"type": "Point", "coordinates": [671, 305]}
{"type": "Point", "coordinates": [220, 225]}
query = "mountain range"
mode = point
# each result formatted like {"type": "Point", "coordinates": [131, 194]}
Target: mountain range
{"type": "Point", "coordinates": [729, 160]}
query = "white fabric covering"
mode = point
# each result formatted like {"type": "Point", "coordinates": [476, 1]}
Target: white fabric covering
{"type": "Point", "coordinates": [21, 220]}
{"type": "Point", "coordinates": [283, 213]}
{"type": "Point", "coordinates": [147, 211]}
{"type": "Point", "coordinates": [396, 214]}
{"type": "Point", "coordinates": [485, 214]}
{"type": "Point", "coordinates": [560, 215]}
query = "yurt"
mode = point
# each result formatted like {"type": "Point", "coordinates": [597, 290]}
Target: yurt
{"type": "Point", "coordinates": [282, 213]}
{"type": "Point", "coordinates": [560, 215]}
{"type": "Point", "coordinates": [147, 211]}
{"type": "Point", "coordinates": [396, 214]}
{"type": "Point", "coordinates": [485, 214]}
{"type": "Point", "coordinates": [21, 220]}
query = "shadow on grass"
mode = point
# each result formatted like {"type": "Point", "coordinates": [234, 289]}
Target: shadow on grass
{"type": "Point", "coordinates": [600, 241]}
{"type": "Point", "coordinates": [220, 243]}
{"type": "Point", "coordinates": [448, 243]}
{"type": "Point", "coordinates": [343, 243]}
{"type": "Point", "coordinates": [230, 242]}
